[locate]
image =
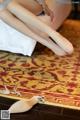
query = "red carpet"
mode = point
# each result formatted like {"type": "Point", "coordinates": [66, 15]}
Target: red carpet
{"type": "Point", "coordinates": [55, 78]}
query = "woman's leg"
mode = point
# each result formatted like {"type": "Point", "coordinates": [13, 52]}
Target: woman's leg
{"type": "Point", "coordinates": [20, 26]}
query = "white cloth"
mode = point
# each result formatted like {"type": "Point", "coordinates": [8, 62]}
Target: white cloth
{"type": "Point", "coordinates": [13, 41]}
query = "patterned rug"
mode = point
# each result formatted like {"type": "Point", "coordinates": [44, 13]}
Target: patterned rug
{"type": "Point", "coordinates": [55, 78]}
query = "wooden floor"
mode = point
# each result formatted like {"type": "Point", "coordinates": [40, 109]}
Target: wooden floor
{"type": "Point", "coordinates": [41, 112]}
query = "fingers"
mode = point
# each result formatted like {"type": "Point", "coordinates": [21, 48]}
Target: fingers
{"type": "Point", "coordinates": [29, 18]}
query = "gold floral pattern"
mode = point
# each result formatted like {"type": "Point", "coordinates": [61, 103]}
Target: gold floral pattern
{"type": "Point", "coordinates": [55, 78]}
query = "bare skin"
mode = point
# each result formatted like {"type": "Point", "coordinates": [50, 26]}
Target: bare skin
{"type": "Point", "coordinates": [25, 17]}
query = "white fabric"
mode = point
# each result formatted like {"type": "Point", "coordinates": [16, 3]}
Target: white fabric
{"type": "Point", "coordinates": [14, 41]}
